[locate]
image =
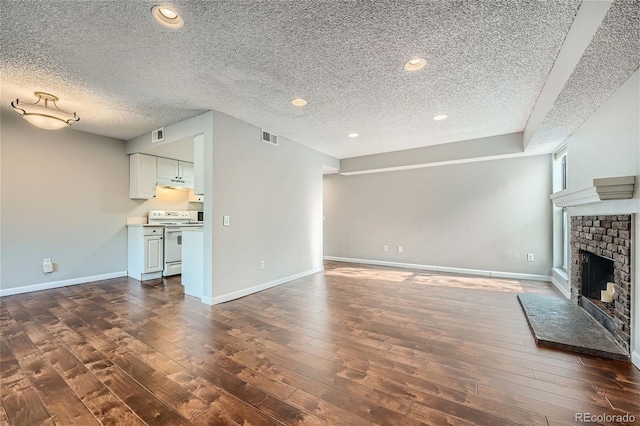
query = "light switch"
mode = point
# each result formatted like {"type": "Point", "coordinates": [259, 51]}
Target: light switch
{"type": "Point", "coordinates": [225, 220]}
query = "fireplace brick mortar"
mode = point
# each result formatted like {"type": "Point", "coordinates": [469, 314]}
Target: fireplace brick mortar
{"type": "Point", "coordinates": [610, 237]}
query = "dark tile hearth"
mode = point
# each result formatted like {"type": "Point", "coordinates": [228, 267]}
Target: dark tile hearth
{"type": "Point", "coordinates": [559, 323]}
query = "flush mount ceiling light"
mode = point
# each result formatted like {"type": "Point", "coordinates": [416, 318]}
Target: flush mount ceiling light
{"type": "Point", "coordinates": [439, 117]}
{"type": "Point", "coordinates": [299, 102]}
{"type": "Point", "coordinates": [415, 64]}
{"type": "Point", "coordinates": [353, 135]}
{"type": "Point", "coordinates": [42, 115]}
{"type": "Point", "coordinates": [167, 16]}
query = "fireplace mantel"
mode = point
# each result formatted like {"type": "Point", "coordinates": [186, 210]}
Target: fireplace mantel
{"type": "Point", "coordinates": [603, 189]}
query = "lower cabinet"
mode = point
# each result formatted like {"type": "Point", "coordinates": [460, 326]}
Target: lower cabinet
{"type": "Point", "coordinates": [153, 253]}
{"type": "Point", "coordinates": [145, 252]}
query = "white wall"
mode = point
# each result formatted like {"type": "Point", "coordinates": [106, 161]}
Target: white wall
{"type": "Point", "coordinates": [608, 145]}
{"type": "Point", "coordinates": [273, 196]}
{"type": "Point", "coordinates": [482, 216]}
{"type": "Point", "coordinates": [65, 196]}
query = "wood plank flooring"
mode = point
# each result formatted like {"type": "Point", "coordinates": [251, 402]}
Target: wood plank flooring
{"type": "Point", "coordinates": [356, 345]}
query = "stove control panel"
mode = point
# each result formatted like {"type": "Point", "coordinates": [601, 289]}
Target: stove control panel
{"type": "Point", "coordinates": [159, 216]}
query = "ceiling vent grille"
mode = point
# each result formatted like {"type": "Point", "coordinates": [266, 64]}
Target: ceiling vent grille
{"type": "Point", "coordinates": [269, 138]}
{"type": "Point", "coordinates": [157, 135]}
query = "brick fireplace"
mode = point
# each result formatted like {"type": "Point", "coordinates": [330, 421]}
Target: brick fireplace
{"type": "Point", "coordinates": [604, 239]}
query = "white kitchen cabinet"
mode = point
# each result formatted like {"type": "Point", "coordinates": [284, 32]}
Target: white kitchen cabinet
{"type": "Point", "coordinates": [167, 168]}
{"type": "Point", "coordinates": [142, 176]}
{"type": "Point", "coordinates": [153, 253]}
{"type": "Point", "coordinates": [174, 173]}
{"type": "Point", "coordinates": [145, 252]}
{"type": "Point", "coordinates": [198, 165]}
{"type": "Point", "coordinates": [185, 171]}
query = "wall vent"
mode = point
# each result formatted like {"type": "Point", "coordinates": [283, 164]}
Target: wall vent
{"type": "Point", "coordinates": [157, 135]}
{"type": "Point", "coordinates": [269, 138]}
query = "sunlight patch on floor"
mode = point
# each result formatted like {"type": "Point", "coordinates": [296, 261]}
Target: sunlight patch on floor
{"type": "Point", "coordinates": [370, 274]}
{"type": "Point", "coordinates": [475, 283]}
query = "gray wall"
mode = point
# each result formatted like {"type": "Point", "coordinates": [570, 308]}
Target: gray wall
{"type": "Point", "coordinates": [486, 215]}
{"type": "Point", "coordinates": [273, 196]}
{"type": "Point", "coordinates": [65, 196]}
{"type": "Point", "coordinates": [608, 145]}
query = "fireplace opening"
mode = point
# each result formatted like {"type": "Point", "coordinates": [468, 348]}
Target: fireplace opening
{"type": "Point", "coordinates": [597, 271]}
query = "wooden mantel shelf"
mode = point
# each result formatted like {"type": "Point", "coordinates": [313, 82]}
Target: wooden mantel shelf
{"type": "Point", "coordinates": [603, 189]}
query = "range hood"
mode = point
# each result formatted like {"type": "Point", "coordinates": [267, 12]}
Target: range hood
{"type": "Point", "coordinates": [174, 182]}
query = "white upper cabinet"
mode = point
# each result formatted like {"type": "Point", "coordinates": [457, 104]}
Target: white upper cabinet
{"type": "Point", "coordinates": [174, 173]}
{"type": "Point", "coordinates": [198, 165]}
{"type": "Point", "coordinates": [142, 176]}
{"type": "Point", "coordinates": [185, 170]}
{"type": "Point", "coordinates": [167, 168]}
{"type": "Point", "coordinates": [148, 171]}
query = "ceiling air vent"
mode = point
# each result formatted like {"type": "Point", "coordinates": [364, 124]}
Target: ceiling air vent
{"type": "Point", "coordinates": [269, 138]}
{"type": "Point", "coordinates": [157, 135]}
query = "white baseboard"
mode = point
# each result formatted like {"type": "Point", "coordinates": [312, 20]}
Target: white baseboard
{"type": "Point", "coordinates": [480, 272]}
{"type": "Point", "coordinates": [247, 291]}
{"type": "Point", "coordinates": [635, 359]}
{"type": "Point", "coordinates": [557, 278]}
{"type": "Point", "coordinates": [63, 283]}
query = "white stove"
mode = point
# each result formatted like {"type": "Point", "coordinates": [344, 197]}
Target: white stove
{"type": "Point", "coordinates": [173, 222]}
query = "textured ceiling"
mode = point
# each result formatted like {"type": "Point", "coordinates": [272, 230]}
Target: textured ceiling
{"type": "Point", "coordinates": [487, 62]}
{"type": "Point", "coordinates": [612, 56]}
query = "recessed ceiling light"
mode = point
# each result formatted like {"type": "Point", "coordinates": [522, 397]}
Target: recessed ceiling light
{"type": "Point", "coordinates": [353, 135]}
{"type": "Point", "coordinates": [299, 102]}
{"type": "Point", "coordinates": [439, 117]}
{"type": "Point", "coordinates": [415, 64]}
{"type": "Point", "coordinates": [167, 16]}
{"type": "Point", "coordinates": [167, 13]}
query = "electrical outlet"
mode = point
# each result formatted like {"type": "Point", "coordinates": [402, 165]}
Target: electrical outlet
{"type": "Point", "coordinates": [385, 248]}
{"type": "Point", "coordinates": [400, 249]}
{"type": "Point", "coordinates": [225, 220]}
{"type": "Point", "coordinates": [529, 257]}
{"type": "Point", "coordinates": [262, 264]}
{"type": "Point", "coordinates": [47, 266]}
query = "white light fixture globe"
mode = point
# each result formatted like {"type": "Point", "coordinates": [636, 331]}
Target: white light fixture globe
{"type": "Point", "coordinates": [41, 115]}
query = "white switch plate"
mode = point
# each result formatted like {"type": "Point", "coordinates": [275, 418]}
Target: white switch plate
{"type": "Point", "coordinates": [225, 220]}
{"type": "Point", "coordinates": [399, 249]}
{"type": "Point", "coordinates": [529, 257]}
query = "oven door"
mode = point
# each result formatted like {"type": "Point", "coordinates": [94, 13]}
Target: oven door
{"type": "Point", "coordinates": [172, 244]}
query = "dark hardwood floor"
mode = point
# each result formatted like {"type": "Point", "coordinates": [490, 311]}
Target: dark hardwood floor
{"type": "Point", "coordinates": [353, 346]}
